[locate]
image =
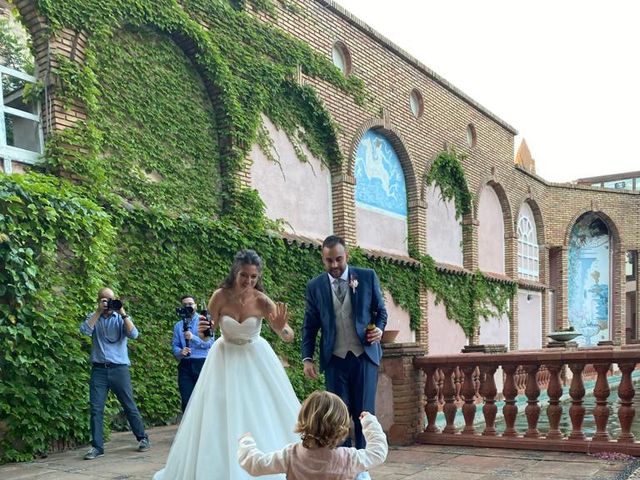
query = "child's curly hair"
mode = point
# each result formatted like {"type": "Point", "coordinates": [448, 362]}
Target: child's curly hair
{"type": "Point", "coordinates": [323, 420]}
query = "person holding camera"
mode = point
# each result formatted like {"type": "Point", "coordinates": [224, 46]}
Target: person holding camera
{"type": "Point", "coordinates": [110, 327]}
{"type": "Point", "coordinates": [188, 348]}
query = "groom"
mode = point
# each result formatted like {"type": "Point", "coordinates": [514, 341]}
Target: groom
{"type": "Point", "coordinates": [347, 306]}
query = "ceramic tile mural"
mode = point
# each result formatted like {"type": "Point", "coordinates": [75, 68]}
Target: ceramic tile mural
{"type": "Point", "coordinates": [380, 181]}
{"type": "Point", "coordinates": [589, 256]}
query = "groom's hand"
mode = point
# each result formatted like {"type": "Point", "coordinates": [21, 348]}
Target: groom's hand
{"type": "Point", "coordinates": [374, 335]}
{"type": "Point", "coordinates": [310, 369]}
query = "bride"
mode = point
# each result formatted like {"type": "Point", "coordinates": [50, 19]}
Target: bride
{"type": "Point", "coordinates": [243, 386]}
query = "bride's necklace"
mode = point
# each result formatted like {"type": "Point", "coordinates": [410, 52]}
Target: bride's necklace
{"type": "Point", "coordinates": [240, 299]}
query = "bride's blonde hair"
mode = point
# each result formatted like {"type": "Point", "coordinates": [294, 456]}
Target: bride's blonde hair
{"type": "Point", "coordinates": [323, 420]}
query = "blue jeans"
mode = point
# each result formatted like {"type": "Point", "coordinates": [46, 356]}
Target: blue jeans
{"type": "Point", "coordinates": [117, 379]}
{"type": "Point", "coordinates": [188, 372]}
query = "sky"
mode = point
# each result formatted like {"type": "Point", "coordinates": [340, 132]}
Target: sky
{"type": "Point", "coordinates": [564, 73]}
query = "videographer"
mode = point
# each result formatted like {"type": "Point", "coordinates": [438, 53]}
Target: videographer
{"type": "Point", "coordinates": [190, 350]}
{"type": "Point", "coordinates": [110, 327]}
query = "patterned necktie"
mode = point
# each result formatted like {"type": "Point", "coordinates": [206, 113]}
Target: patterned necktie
{"type": "Point", "coordinates": [341, 289]}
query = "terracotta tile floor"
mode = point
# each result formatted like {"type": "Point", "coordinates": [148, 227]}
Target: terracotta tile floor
{"type": "Point", "coordinates": [425, 462]}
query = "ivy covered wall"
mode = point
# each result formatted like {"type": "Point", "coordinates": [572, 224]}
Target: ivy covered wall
{"type": "Point", "coordinates": [144, 196]}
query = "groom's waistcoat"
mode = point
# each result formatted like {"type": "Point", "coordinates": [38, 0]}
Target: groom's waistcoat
{"type": "Point", "coordinates": [346, 338]}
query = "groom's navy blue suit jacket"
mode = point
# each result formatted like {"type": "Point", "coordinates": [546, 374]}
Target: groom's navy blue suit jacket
{"type": "Point", "coordinates": [367, 306]}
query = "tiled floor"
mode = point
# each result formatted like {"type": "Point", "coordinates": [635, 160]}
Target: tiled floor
{"type": "Point", "coordinates": [426, 462]}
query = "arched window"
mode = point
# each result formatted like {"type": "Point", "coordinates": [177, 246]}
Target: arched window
{"type": "Point", "coordinates": [528, 251]}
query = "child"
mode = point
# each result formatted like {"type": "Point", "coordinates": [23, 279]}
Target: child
{"type": "Point", "coordinates": [323, 423]}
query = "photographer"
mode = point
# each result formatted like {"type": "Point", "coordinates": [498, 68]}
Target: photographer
{"type": "Point", "coordinates": [110, 327]}
{"type": "Point", "coordinates": [188, 348]}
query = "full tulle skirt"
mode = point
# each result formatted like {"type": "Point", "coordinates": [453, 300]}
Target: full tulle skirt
{"type": "Point", "coordinates": [242, 388]}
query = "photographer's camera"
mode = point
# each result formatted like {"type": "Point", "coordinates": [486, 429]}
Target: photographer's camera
{"type": "Point", "coordinates": [185, 311]}
{"type": "Point", "coordinates": [112, 304]}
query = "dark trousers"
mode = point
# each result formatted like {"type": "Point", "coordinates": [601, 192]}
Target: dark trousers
{"type": "Point", "coordinates": [354, 379]}
{"type": "Point", "coordinates": [117, 379]}
{"type": "Point", "coordinates": [188, 372]}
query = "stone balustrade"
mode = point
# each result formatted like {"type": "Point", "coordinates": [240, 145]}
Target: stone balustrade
{"type": "Point", "coordinates": [461, 382]}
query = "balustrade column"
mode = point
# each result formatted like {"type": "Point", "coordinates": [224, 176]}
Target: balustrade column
{"type": "Point", "coordinates": [576, 411]}
{"type": "Point", "coordinates": [626, 412]}
{"type": "Point", "coordinates": [532, 410]}
{"type": "Point", "coordinates": [489, 391]}
{"type": "Point", "coordinates": [510, 410]}
{"type": "Point", "coordinates": [431, 393]}
{"type": "Point", "coordinates": [449, 399]}
{"type": "Point", "coordinates": [469, 394]}
{"type": "Point", "coordinates": [601, 410]}
{"type": "Point", "coordinates": [554, 410]}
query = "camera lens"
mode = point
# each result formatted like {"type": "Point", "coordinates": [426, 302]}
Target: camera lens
{"type": "Point", "coordinates": [114, 304]}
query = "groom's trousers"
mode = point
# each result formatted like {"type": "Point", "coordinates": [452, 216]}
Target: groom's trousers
{"type": "Point", "coordinates": [354, 380]}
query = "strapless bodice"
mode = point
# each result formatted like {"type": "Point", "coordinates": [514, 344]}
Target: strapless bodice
{"type": "Point", "coordinates": [240, 333]}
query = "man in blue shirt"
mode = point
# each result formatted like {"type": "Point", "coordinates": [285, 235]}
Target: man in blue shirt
{"type": "Point", "coordinates": [109, 327]}
{"type": "Point", "coordinates": [188, 348]}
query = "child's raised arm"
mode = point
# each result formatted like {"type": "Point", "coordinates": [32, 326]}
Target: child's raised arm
{"type": "Point", "coordinates": [256, 462]}
{"type": "Point", "coordinates": [375, 453]}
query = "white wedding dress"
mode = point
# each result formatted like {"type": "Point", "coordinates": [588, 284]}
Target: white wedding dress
{"type": "Point", "coordinates": [242, 388]}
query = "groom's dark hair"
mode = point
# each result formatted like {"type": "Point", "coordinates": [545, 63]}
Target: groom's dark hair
{"type": "Point", "coordinates": [333, 240]}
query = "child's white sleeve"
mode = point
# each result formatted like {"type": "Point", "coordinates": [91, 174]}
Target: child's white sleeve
{"type": "Point", "coordinates": [375, 453]}
{"type": "Point", "coordinates": [256, 462]}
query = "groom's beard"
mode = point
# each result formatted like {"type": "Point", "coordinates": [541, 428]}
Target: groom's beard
{"type": "Point", "coordinates": [336, 272]}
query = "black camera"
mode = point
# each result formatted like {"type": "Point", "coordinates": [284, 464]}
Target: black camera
{"type": "Point", "coordinates": [185, 311]}
{"type": "Point", "coordinates": [114, 304]}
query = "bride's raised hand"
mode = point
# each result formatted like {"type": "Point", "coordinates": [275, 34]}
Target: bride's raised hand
{"type": "Point", "coordinates": [279, 316]}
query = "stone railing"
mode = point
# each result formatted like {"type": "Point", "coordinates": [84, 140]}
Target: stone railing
{"type": "Point", "coordinates": [529, 373]}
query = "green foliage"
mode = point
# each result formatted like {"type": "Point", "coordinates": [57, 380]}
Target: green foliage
{"type": "Point", "coordinates": [55, 249]}
{"type": "Point", "coordinates": [448, 174]}
{"type": "Point", "coordinates": [467, 298]}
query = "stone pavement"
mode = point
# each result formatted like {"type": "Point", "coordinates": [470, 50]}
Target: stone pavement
{"type": "Point", "coordinates": [122, 462]}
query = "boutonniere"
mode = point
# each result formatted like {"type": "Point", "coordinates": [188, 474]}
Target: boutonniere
{"type": "Point", "coordinates": [353, 283]}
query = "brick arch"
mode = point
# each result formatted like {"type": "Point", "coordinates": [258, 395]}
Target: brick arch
{"type": "Point", "coordinates": [614, 232]}
{"type": "Point", "coordinates": [538, 217]}
{"type": "Point", "coordinates": [398, 143]}
{"type": "Point", "coordinates": [505, 205]}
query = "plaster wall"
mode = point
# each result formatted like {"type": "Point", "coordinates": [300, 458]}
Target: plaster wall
{"type": "Point", "coordinates": [297, 192]}
{"type": "Point", "coordinates": [398, 320]}
{"type": "Point", "coordinates": [495, 330]}
{"type": "Point", "coordinates": [444, 231]}
{"type": "Point", "coordinates": [380, 231]}
{"type": "Point", "coordinates": [445, 336]}
{"type": "Point", "coordinates": [529, 320]}
{"type": "Point", "coordinates": [490, 232]}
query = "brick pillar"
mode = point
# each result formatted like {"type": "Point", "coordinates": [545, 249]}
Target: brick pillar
{"type": "Point", "coordinates": [470, 243]}
{"type": "Point", "coordinates": [399, 400]}
{"type": "Point", "coordinates": [513, 322]}
{"type": "Point", "coordinates": [418, 225]}
{"type": "Point", "coordinates": [418, 238]}
{"type": "Point", "coordinates": [636, 269]}
{"type": "Point", "coordinates": [619, 296]}
{"type": "Point", "coordinates": [544, 279]}
{"type": "Point", "coordinates": [470, 256]}
{"type": "Point", "coordinates": [562, 291]}
{"type": "Point", "coordinates": [511, 270]}
{"type": "Point", "coordinates": [344, 209]}
{"type": "Point", "coordinates": [422, 333]}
